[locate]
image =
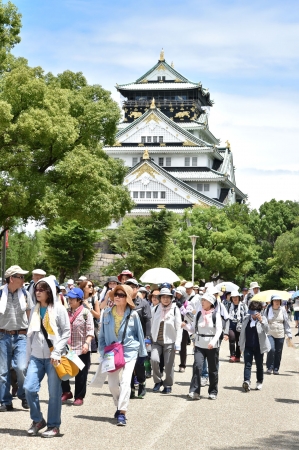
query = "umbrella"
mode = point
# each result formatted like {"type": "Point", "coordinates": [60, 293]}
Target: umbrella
{"type": "Point", "coordinates": [159, 275]}
{"type": "Point", "coordinates": [295, 294]}
{"type": "Point", "coordinates": [229, 286]}
{"type": "Point", "coordinates": [265, 296]}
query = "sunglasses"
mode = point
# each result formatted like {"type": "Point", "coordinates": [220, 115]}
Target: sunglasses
{"type": "Point", "coordinates": [19, 276]}
{"type": "Point", "coordinates": [40, 290]}
{"type": "Point", "coordinates": [120, 295]}
{"type": "Point", "coordinates": [90, 285]}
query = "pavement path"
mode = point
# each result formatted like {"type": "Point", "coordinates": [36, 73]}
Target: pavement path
{"type": "Point", "coordinates": [266, 419]}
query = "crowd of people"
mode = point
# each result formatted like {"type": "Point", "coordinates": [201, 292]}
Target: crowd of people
{"type": "Point", "coordinates": [43, 322]}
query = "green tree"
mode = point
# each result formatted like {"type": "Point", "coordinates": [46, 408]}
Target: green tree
{"type": "Point", "coordinates": [70, 249]}
{"type": "Point", "coordinates": [143, 242]}
{"type": "Point", "coordinates": [10, 26]}
{"type": "Point", "coordinates": [26, 250]}
{"type": "Point", "coordinates": [223, 249]}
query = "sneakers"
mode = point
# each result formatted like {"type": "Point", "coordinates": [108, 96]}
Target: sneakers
{"type": "Point", "coordinates": [182, 369]}
{"type": "Point", "coordinates": [269, 372]}
{"type": "Point", "coordinates": [167, 390]}
{"type": "Point", "coordinates": [136, 382]}
{"type": "Point", "coordinates": [66, 396]}
{"type": "Point", "coordinates": [157, 386]}
{"type": "Point", "coordinates": [4, 408]}
{"type": "Point", "coordinates": [193, 396]}
{"type": "Point", "coordinates": [275, 372]}
{"type": "Point", "coordinates": [232, 359]}
{"type": "Point", "coordinates": [50, 432]}
{"type": "Point", "coordinates": [35, 427]}
{"type": "Point", "coordinates": [121, 420]}
{"type": "Point", "coordinates": [246, 386]}
{"type": "Point", "coordinates": [148, 374]}
{"type": "Point", "coordinates": [212, 397]}
{"type": "Point", "coordinates": [78, 402]}
{"type": "Point", "coordinates": [25, 404]}
{"type": "Point", "coordinates": [141, 390]}
{"type": "Point", "coordinates": [237, 359]}
{"type": "Point", "coordinates": [132, 395]}
{"type": "Point", "coordinates": [259, 386]}
{"type": "Point", "coordinates": [203, 381]}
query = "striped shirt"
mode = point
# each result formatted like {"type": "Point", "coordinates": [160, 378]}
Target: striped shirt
{"type": "Point", "coordinates": [14, 318]}
{"type": "Point", "coordinates": [81, 328]}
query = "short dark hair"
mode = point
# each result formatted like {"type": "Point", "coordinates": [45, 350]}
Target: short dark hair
{"type": "Point", "coordinates": [276, 299]}
{"type": "Point", "coordinates": [46, 287]}
{"type": "Point", "coordinates": [255, 306]}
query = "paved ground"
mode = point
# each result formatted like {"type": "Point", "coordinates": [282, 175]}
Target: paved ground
{"type": "Point", "coordinates": [266, 419]}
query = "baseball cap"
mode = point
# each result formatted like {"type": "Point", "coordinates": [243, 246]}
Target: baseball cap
{"type": "Point", "coordinates": [13, 270]}
{"type": "Point", "coordinates": [76, 293]}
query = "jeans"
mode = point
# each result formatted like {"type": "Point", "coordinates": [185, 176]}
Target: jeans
{"type": "Point", "coordinates": [35, 373]}
{"type": "Point", "coordinates": [12, 354]}
{"type": "Point", "coordinates": [274, 355]}
{"type": "Point", "coordinates": [205, 369]}
{"type": "Point", "coordinates": [249, 353]}
{"type": "Point", "coordinates": [80, 378]}
{"type": "Point", "coordinates": [212, 356]}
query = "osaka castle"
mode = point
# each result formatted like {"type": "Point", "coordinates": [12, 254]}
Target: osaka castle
{"type": "Point", "coordinates": [174, 160]}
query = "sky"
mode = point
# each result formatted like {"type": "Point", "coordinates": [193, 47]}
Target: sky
{"type": "Point", "coordinates": [246, 53]}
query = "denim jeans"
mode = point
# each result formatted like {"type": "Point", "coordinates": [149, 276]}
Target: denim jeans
{"type": "Point", "coordinates": [274, 355]}
{"type": "Point", "coordinates": [12, 354]}
{"type": "Point", "coordinates": [205, 369]}
{"type": "Point", "coordinates": [249, 353]}
{"type": "Point", "coordinates": [35, 373]}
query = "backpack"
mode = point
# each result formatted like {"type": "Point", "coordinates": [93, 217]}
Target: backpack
{"type": "Point", "coordinates": [198, 317]}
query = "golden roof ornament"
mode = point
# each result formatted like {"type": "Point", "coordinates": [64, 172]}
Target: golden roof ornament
{"type": "Point", "coordinates": [145, 154]}
{"type": "Point", "coordinates": [172, 65]}
{"type": "Point", "coordinates": [162, 57]}
{"type": "Point", "coordinates": [227, 144]}
{"type": "Point", "coordinates": [153, 105]}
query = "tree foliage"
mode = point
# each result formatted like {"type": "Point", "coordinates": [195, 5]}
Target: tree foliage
{"type": "Point", "coordinates": [70, 249]}
{"type": "Point", "coordinates": [143, 242]}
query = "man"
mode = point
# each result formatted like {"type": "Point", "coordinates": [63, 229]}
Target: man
{"type": "Point", "coordinates": [37, 274]}
{"type": "Point", "coordinates": [193, 298]}
{"type": "Point", "coordinates": [254, 289]}
{"type": "Point", "coordinates": [80, 279]}
{"type": "Point", "coordinates": [144, 311]}
{"type": "Point", "coordinates": [15, 305]}
{"type": "Point", "coordinates": [70, 285]}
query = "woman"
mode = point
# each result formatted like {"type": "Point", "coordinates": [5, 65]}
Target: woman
{"type": "Point", "coordinates": [278, 327]}
{"type": "Point", "coordinates": [237, 313]}
{"type": "Point", "coordinates": [112, 330]}
{"type": "Point", "coordinates": [207, 327]}
{"type": "Point", "coordinates": [185, 308]}
{"type": "Point", "coordinates": [50, 318]}
{"type": "Point", "coordinates": [166, 339]}
{"type": "Point", "coordinates": [105, 299]}
{"type": "Point", "coordinates": [90, 301]}
{"type": "Point", "coordinates": [143, 293]}
{"type": "Point", "coordinates": [82, 332]}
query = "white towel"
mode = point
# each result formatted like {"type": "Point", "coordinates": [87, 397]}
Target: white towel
{"type": "Point", "coordinates": [3, 300]}
{"type": "Point", "coordinates": [34, 324]}
{"type": "Point", "coordinates": [253, 322]}
{"type": "Point", "coordinates": [270, 313]}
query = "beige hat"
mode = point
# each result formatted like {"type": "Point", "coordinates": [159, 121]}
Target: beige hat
{"type": "Point", "coordinates": [189, 285]}
{"type": "Point", "coordinates": [254, 284]}
{"type": "Point", "coordinates": [13, 270]}
{"type": "Point", "coordinates": [39, 272]}
{"type": "Point", "coordinates": [126, 290]}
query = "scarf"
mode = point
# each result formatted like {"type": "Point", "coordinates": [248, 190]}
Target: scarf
{"type": "Point", "coordinates": [4, 296]}
{"type": "Point", "coordinates": [49, 323]}
{"type": "Point", "coordinates": [270, 313]}
{"type": "Point", "coordinates": [72, 317]}
{"type": "Point", "coordinates": [164, 311]}
{"type": "Point", "coordinates": [232, 312]}
{"type": "Point", "coordinates": [205, 315]}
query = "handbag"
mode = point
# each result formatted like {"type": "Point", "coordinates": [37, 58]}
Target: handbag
{"type": "Point", "coordinates": [66, 369]}
{"type": "Point", "coordinates": [117, 348]}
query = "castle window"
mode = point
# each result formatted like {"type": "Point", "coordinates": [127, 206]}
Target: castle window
{"type": "Point", "coordinates": [206, 187]}
{"type": "Point", "coordinates": [155, 138]}
{"type": "Point", "coordinates": [160, 138]}
{"type": "Point", "coordinates": [155, 194]}
{"type": "Point", "coordinates": [161, 162]}
{"type": "Point", "coordinates": [135, 194]}
{"type": "Point", "coordinates": [194, 160]}
{"type": "Point", "coordinates": [187, 161]}
{"type": "Point", "coordinates": [149, 139]}
{"type": "Point", "coordinates": [134, 161]}
{"type": "Point", "coordinates": [142, 194]}
{"type": "Point", "coordinates": [148, 195]}
{"type": "Point", "coordinates": [200, 187]}
{"type": "Point", "coordinates": [163, 194]}
{"type": "Point", "coordinates": [168, 161]}
{"type": "Point", "coordinates": [143, 139]}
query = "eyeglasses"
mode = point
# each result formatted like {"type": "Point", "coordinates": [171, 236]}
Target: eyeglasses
{"type": "Point", "coordinates": [119, 295]}
{"type": "Point", "coordinates": [18, 276]}
{"type": "Point", "coordinates": [90, 285]}
{"type": "Point", "coordinates": [155, 296]}
{"type": "Point", "coordinates": [40, 290]}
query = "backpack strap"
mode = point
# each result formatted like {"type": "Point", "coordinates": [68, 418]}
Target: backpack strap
{"type": "Point", "coordinates": [267, 310]}
{"type": "Point", "coordinates": [126, 326]}
{"type": "Point", "coordinates": [196, 320]}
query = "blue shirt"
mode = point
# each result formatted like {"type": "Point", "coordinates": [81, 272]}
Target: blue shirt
{"type": "Point", "coordinates": [134, 340]}
{"type": "Point", "coordinates": [42, 311]}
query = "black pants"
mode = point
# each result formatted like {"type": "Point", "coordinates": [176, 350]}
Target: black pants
{"type": "Point", "coordinates": [80, 379]}
{"type": "Point", "coordinates": [249, 354]}
{"type": "Point", "coordinates": [139, 372]}
{"type": "Point", "coordinates": [234, 348]}
{"type": "Point", "coordinates": [183, 352]}
{"type": "Point", "coordinates": [213, 359]}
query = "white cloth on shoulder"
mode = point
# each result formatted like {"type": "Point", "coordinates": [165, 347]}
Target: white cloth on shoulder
{"type": "Point", "coordinates": [4, 296]}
